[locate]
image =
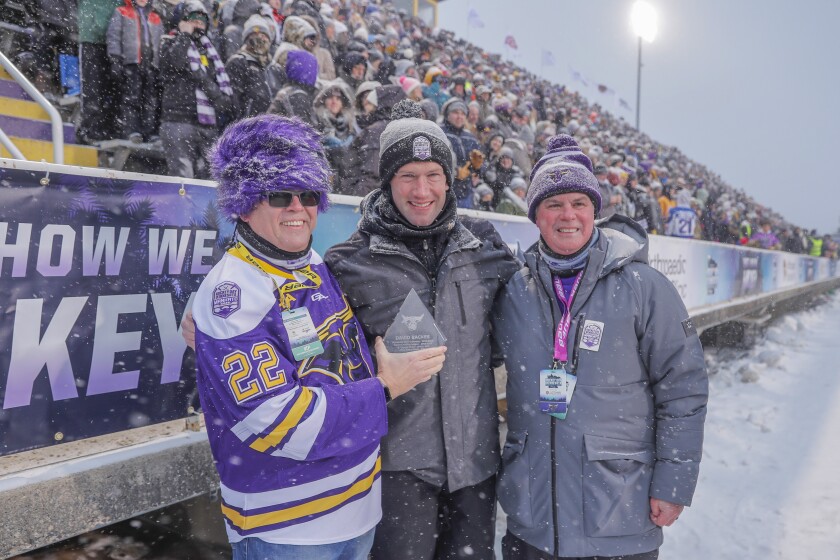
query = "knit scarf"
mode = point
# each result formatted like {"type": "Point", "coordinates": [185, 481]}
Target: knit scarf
{"type": "Point", "coordinates": [567, 263]}
{"type": "Point", "coordinates": [206, 112]}
{"type": "Point", "coordinates": [273, 254]}
{"type": "Point", "coordinates": [380, 216]}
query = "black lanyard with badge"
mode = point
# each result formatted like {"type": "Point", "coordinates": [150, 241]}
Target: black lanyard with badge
{"type": "Point", "coordinates": [557, 384]}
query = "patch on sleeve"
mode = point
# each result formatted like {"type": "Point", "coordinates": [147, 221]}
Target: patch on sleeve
{"type": "Point", "coordinates": [689, 328]}
{"type": "Point", "coordinates": [593, 331]}
{"type": "Point", "coordinates": [226, 299]}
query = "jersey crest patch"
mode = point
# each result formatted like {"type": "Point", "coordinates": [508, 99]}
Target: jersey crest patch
{"type": "Point", "coordinates": [226, 299]}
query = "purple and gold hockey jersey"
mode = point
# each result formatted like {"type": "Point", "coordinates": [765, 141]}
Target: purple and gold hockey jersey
{"type": "Point", "coordinates": [296, 443]}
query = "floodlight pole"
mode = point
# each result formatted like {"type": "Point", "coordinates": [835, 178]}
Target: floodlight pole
{"type": "Point", "coordinates": [639, 84]}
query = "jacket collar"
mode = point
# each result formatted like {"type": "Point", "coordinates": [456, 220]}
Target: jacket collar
{"type": "Point", "coordinates": [460, 239]}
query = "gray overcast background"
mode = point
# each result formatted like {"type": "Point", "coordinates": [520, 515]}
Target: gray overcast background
{"type": "Point", "coordinates": [748, 88]}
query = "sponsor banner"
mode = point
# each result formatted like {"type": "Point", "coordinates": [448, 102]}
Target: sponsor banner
{"type": "Point", "coordinates": [99, 267]}
{"type": "Point", "coordinates": [96, 275]}
{"type": "Point", "coordinates": [707, 273]}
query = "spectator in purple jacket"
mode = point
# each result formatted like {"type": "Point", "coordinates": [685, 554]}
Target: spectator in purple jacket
{"type": "Point", "coordinates": [764, 237]}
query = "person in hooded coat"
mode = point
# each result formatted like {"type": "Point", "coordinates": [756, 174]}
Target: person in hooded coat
{"type": "Point", "coordinates": [298, 34]}
{"type": "Point", "coordinates": [296, 98]}
{"type": "Point", "coordinates": [336, 121]}
{"type": "Point", "coordinates": [607, 385]}
{"type": "Point", "coordinates": [363, 176]}
{"type": "Point", "coordinates": [500, 176]}
{"type": "Point", "coordinates": [248, 69]}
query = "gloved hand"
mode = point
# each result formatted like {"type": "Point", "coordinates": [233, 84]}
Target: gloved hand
{"type": "Point", "coordinates": [332, 142]}
{"type": "Point", "coordinates": [463, 172]}
{"type": "Point", "coordinates": [476, 159]}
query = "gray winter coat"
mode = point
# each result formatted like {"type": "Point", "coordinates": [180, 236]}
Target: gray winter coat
{"type": "Point", "coordinates": [453, 417]}
{"type": "Point", "coordinates": [582, 486]}
{"type": "Point", "coordinates": [124, 32]}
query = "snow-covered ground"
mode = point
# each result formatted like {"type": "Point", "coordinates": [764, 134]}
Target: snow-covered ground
{"type": "Point", "coordinates": [770, 477]}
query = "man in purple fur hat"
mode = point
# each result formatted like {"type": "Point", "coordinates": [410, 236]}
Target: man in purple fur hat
{"type": "Point", "coordinates": [293, 405]}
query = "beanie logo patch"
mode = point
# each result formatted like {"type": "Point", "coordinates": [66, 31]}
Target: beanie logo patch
{"type": "Point", "coordinates": [422, 148]}
{"type": "Point", "coordinates": [558, 174]}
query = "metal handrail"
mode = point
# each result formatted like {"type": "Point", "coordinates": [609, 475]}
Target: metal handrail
{"type": "Point", "coordinates": [55, 118]}
{"type": "Point", "coordinates": [9, 145]}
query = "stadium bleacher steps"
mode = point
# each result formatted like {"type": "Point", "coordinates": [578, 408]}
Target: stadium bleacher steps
{"type": "Point", "coordinates": [28, 126]}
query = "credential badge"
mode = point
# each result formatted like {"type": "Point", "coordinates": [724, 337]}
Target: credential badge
{"type": "Point", "coordinates": [593, 331]}
{"type": "Point", "coordinates": [226, 299]}
{"type": "Point", "coordinates": [422, 148]}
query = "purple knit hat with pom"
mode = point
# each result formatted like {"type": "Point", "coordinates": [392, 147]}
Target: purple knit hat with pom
{"type": "Point", "coordinates": [263, 154]}
{"type": "Point", "coordinates": [563, 169]}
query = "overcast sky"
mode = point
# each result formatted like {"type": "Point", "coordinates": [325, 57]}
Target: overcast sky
{"type": "Point", "coordinates": [748, 88]}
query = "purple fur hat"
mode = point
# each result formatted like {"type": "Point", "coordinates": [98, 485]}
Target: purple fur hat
{"type": "Point", "coordinates": [267, 153]}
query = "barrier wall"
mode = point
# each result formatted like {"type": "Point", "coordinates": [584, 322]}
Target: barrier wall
{"type": "Point", "coordinates": [97, 268]}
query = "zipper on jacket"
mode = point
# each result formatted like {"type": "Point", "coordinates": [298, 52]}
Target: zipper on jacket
{"type": "Point", "coordinates": [461, 304]}
{"type": "Point", "coordinates": [576, 347]}
{"type": "Point", "coordinates": [433, 294]}
{"type": "Point", "coordinates": [554, 504]}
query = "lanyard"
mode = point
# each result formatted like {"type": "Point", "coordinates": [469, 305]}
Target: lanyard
{"type": "Point", "coordinates": [561, 348]}
{"type": "Point", "coordinates": [284, 292]}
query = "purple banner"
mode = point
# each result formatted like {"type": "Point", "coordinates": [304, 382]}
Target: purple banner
{"type": "Point", "coordinates": [96, 274]}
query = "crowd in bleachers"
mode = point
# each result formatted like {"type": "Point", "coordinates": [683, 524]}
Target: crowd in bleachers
{"type": "Point", "coordinates": [184, 70]}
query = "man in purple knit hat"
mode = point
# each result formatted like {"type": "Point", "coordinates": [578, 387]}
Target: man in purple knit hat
{"type": "Point", "coordinates": [607, 386]}
{"type": "Point", "coordinates": [293, 406]}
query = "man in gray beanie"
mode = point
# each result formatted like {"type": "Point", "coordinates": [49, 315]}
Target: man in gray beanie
{"type": "Point", "coordinates": [607, 386]}
{"type": "Point", "coordinates": [440, 456]}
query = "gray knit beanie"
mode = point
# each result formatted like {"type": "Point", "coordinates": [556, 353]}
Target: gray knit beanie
{"type": "Point", "coordinates": [409, 137]}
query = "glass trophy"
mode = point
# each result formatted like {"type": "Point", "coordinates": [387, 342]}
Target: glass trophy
{"type": "Point", "coordinates": [414, 328]}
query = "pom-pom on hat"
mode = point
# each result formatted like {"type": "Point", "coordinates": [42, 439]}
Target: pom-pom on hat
{"type": "Point", "coordinates": [563, 169]}
{"type": "Point", "coordinates": [264, 154]}
{"type": "Point", "coordinates": [410, 137]}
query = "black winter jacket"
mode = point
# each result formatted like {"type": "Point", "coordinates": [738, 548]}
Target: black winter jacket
{"type": "Point", "coordinates": [451, 419]}
{"type": "Point", "coordinates": [363, 177]}
{"type": "Point", "coordinates": [463, 142]}
{"type": "Point", "coordinates": [178, 102]}
{"type": "Point", "coordinates": [249, 80]}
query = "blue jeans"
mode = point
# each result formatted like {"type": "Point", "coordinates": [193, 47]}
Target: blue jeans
{"type": "Point", "coordinates": [255, 549]}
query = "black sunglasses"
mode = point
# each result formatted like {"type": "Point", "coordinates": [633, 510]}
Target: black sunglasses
{"type": "Point", "coordinates": [283, 199]}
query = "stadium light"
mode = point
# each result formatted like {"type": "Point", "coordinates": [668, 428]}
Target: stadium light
{"type": "Point", "coordinates": [644, 21]}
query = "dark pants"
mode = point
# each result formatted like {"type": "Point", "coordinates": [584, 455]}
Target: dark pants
{"type": "Point", "coordinates": [185, 146]}
{"type": "Point", "coordinates": [514, 548]}
{"type": "Point", "coordinates": [423, 522]}
{"type": "Point", "coordinates": [139, 100]}
{"type": "Point", "coordinates": [99, 94]}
